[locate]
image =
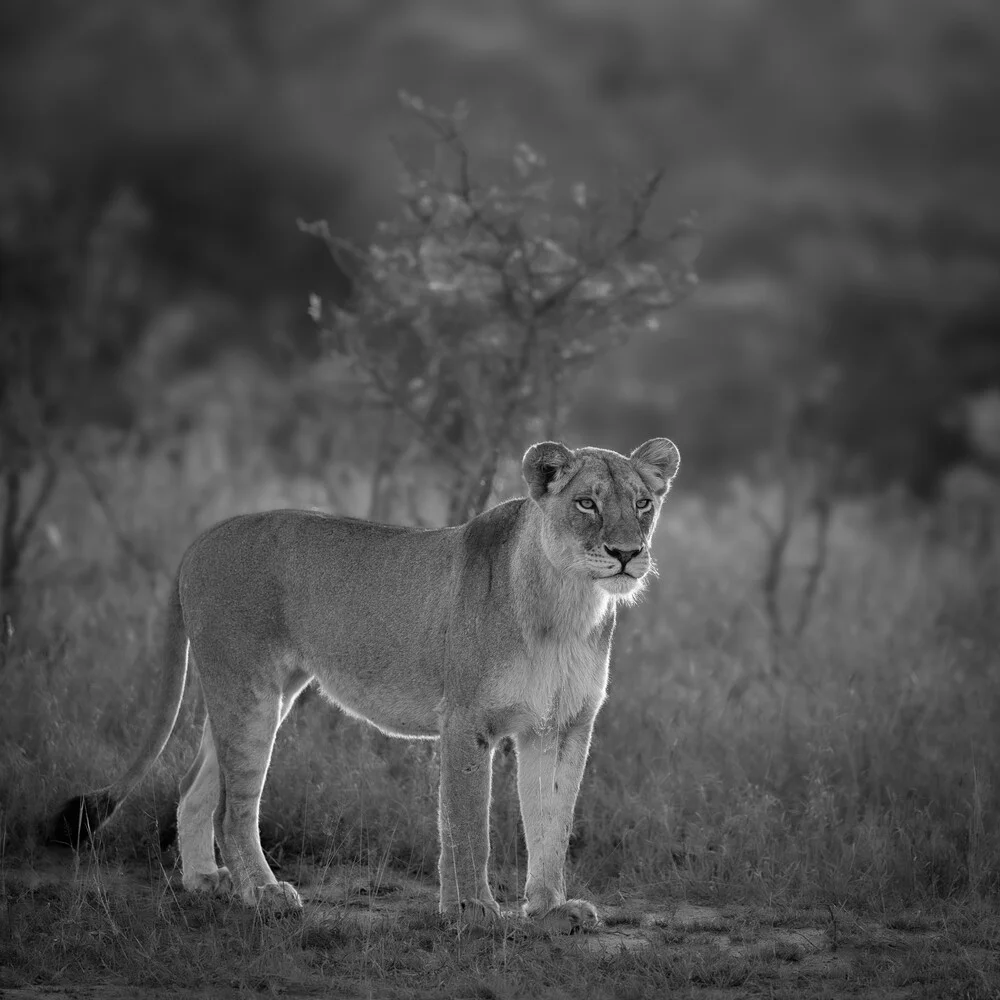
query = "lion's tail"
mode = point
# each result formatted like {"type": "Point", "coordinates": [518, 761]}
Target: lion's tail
{"type": "Point", "coordinates": [83, 815]}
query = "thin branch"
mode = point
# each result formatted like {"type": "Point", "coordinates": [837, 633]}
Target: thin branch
{"type": "Point", "coordinates": [394, 397]}
{"type": "Point", "coordinates": [556, 298]}
{"type": "Point", "coordinates": [352, 261]}
{"type": "Point", "coordinates": [453, 137]}
{"type": "Point", "coordinates": [511, 288]}
{"type": "Point", "coordinates": [450, 135]}
{"type": "Point", "coordinates": [478, 493]}
{"type": "Point", "coordinates": [640, 207]}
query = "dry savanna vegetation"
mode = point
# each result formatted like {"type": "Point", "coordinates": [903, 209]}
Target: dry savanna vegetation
{"type": "Point", "coordinates": [816, 818]}
{"type": "Point", "coordinates": [360, 259]}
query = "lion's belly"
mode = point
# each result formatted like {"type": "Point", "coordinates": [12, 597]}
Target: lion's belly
{"type": "Point", "coordinates": [394, 704]}
{"type": "Point", "coordinates": [394, 714]}
{"type": "Point", "coordinates": [384, 667]}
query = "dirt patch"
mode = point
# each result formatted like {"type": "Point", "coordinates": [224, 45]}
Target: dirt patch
{"type": "Point", "coordinates": [82, 930]}
{"type": "Point", "coordinates": [645, 924]}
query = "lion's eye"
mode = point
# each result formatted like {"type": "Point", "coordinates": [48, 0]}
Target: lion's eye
{"type": "Point", "coordinates": [643, 503]}
{"type": "Point", "coordinates": [585, 503]}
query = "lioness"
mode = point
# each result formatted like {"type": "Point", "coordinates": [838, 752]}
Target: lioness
{"type": "Point", "coordinates": [500, 626]}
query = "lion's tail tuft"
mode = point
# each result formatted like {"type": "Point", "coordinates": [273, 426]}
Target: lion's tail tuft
{"type": "Point", "coordinates": [81, 818]}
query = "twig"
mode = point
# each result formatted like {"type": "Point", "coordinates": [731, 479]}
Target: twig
{"type": "Point", "coordinates": [394, 397]}
{"type": "Point", "coordinates": [640, 207]}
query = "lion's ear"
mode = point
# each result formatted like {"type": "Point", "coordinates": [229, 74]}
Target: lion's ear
{"type": "Point", "coordinates": [543, 465]}
{"type": "Point", "coordinates": [657, 461]}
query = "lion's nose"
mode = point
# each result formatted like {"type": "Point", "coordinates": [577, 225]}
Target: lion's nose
{"type": "Point", "coordinates": [624, 556]}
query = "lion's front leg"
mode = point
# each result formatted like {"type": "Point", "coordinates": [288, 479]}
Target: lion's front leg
{"type": "Point", "coordinates": [550, 765]}
{"type": "Point", "coordinates": [464, 819]}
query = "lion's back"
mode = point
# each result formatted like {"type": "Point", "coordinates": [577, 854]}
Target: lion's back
{"type": "Point", "coordinates": [292, 570]}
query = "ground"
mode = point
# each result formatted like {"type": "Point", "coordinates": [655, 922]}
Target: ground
{"type": "Point", "coordinates": [81, 928]}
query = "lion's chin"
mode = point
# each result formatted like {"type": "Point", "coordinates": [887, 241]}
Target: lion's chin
{"type": "Point", "coordinates": [620, 585]}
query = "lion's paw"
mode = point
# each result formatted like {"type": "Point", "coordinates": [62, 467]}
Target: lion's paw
{"type": "Point", "coordinates": [214, 883]}
{"type": "Point", "coordinates": [275, 898]}
{"type": "Point", "coordinates": [572, 917]}
{"type": "Point", "coordinates": [475, 912]}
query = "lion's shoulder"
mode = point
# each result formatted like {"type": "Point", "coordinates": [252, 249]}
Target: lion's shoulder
{"type": "Point", "coordinates": [496, 528]}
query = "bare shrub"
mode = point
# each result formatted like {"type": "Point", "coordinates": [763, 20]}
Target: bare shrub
{"type": "Point", "coordinates": [475, 308]}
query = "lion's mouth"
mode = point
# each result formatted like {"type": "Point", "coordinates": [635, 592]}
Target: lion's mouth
{"type": "Point", "coordinates": [620, 575]}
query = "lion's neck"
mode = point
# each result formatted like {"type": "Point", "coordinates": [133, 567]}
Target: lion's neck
{"type": "Point", "coordinates": [551, 604]}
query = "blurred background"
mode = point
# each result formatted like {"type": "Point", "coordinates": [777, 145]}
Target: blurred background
{"type": "Point", "coordinates": [174, 348]}
{"type": "Point", "coordinates": [844, 161]}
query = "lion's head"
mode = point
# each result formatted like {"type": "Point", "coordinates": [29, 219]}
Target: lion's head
{"type": "Point", "coordinates": [600, 508]}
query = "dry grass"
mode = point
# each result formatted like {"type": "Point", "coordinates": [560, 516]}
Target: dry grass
{"type": "Point", "coordinates": [859, 780]}
{"type": "Point", "coordinates": [130, 931]}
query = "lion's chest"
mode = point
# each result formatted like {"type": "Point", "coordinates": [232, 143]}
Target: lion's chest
{"type": "Point", "coordinates": [557, 679]}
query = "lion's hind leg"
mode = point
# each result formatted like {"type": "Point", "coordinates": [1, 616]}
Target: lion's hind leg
{"type": "Point", "coordinates": [245, 717]}
{"type": "Point", "coordinates": [195, 821]}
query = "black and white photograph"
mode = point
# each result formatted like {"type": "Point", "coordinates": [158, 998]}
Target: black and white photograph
{"type": "Point", "coordinates": [500, 499]}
